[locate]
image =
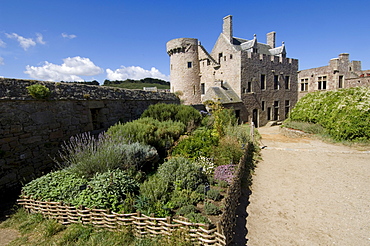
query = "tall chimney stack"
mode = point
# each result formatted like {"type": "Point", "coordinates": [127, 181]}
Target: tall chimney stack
{"type": "Point", "coordinates": [227, 27]}
{"type": "Point", "coordinates": [271, 39]}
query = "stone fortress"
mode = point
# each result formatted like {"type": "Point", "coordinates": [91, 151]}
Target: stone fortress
{"type": "Point", "coordinates": [255, 79]}
{"type": "Point", "coordinates": [340, 73]}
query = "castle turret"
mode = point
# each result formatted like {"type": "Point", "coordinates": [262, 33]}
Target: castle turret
{"type": "Point", "coordinates": [184, 69]}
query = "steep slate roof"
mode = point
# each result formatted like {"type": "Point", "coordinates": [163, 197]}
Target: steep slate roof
{"type": "Point", "coordinates": [244, 44]}
{"type": "Point", "coordinates": [223, 94]}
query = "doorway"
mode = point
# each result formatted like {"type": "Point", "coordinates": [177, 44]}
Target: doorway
{"type": "Point", "coordinates": [255, 117]}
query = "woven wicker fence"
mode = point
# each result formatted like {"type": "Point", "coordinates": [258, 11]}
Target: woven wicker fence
{"type": "Point", "coordinates": [203, 234]}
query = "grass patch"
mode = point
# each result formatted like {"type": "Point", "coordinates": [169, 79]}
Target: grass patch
{"type": "Point", "coordinates": [305, 127]}
{"type": "Point", "coordinates": [36, 230]}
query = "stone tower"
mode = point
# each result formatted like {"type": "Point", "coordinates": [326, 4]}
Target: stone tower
{"type": "Point", "coordinates": [184, 69]}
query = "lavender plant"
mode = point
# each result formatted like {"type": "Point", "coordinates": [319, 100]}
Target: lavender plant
{"type": "Point", "coordinates": [225, 173]}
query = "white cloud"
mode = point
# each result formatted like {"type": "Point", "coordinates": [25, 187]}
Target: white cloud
{"type": "Point", "coordinates": [39, 38]}
{"type": "Point", "coordinates": [70, 70]}
{"type": "Point", "coordinates": [1, 61]}
{"type": "Point", "coordinates": [25, 43]}
{"type": "Point", "coordinates": [2, 44]}
{"type": "Point", "coordinates": [133, 72]}
{"type": "Point", "coordinates": [70, 36]}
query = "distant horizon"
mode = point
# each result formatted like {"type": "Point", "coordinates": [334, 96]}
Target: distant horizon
{"type": "Point", "coordinates": [117, 40]}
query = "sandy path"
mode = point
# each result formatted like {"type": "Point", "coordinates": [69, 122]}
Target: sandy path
{"type": "Point", "coordinates": [306, 192]}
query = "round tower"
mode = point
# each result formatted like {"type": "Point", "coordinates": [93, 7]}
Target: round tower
{"type": "Point", "coordinates": [184, 69]}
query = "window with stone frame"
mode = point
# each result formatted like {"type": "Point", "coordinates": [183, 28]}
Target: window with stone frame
{"type": "Point", "coordinates": [304, 84]}
{"type": "Point", "coordinates": [263, 105]}
{"type": "Point", "coordinates": [249, 86]}
{"type": "Point", "coordinates": [190, 64]}
{"type": "Point", "coordinates": [202, 88]}
{"type": "Point", "coordinates": [321, 83]}
{"type": "Point", "coordinates": [287, 82]}
{"type": "Point", "coordinates": [340, 82]}
{"type": "Point", "coordinates": [263, 82]}
{"type": "Point", "coordinates": [276, 82]}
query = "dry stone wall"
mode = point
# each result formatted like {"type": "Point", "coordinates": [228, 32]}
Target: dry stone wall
{"type": "Point", "coordinates": [32, 130]}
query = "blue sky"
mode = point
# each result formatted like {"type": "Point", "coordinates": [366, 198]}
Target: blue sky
{"type": "Point", "coordinates": [118, 39]}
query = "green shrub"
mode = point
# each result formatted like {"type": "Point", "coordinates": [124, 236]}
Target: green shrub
{"type": "Point", "coordinates": [228, 151]}
{"type": "Point", "coordinates": [156, 188]}
{"type": "Point", "coordinates": [86, 155]}
{"type": "Point", "coordinates": [161, 135]}
{"type": "Point", "coordinates": [211, 209]}
{"type": "Point", "coordinates": [221, 118]}
{"type": "Point", "coordinates": [107, 190]}
{"type": "Point", "coordinates": [187, 210]}
{"type": "Point", "coordinates": [55, 186]}
{"type": "Point", "coordinates": [197, 218]}
{"type": "Point", "coordinates": [181, 173]}
{"type": "Point", "coordinates": [200, 143]}
{"type": "Point", "coordinates": [214, 194]}
{"type": "Point", "coordinates": [163, 112]}
{"type": "Point", "coordinates": [345, 114]}
{"type": "Point", "coordinates": [181, 198]}
{"type": "Point", "coordinates": [38, 91]}
{"type": "Point", "coordinates": [241, 133]}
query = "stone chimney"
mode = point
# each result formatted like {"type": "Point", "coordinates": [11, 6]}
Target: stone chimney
{"type": "Point", "coordinates": [344, 56]}
{"type": "Point", "coordinates": [227, 28]}
{"type": "Point", "coordinates": [271, 39]}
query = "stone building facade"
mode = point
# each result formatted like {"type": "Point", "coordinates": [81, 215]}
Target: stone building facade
{"type": "Point", "coordinates": [339, 73]}
{"type": "Point", "coordinates": [254, 78]}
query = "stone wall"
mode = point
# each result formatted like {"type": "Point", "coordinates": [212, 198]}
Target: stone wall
{"type": "Point", "coordinates": [32, 130]}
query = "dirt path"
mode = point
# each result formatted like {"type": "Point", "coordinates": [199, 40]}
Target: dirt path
{"type": "Point", "coordinates": [307, 192]}
{"type": "Point", "coordinates": [7, 235]}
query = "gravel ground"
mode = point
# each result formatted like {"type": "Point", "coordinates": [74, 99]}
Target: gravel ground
{"type": "Point", "coordinates": [307, 192]}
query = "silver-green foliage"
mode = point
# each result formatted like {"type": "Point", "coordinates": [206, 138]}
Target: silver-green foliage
{"type": "Point", "coordinates": [345, 114]}
{"type": "Point", "coordinates": [86, 155]}
{"type": "Point", "coordinates": [149, 131]}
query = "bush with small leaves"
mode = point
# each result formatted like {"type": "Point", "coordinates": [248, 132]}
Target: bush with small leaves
{"type": "Point", "coordinates": [160, 135]}
{"type": "Point", "coordinates": [187, 210]}
{"type": "Point", "coordinates": [186, 114]}
{"type": "Point", "coordinates": [86, 155]}
{"type": "Point", "coordinates": [200, 143]}
{"type": "Point", "coordinates": [181, 173]}
{"type": "Point", "coordinates": [197, 218]}
{"type": "Point", "coordinates": [214, 194]}
{"type": "Point", "coordinates": [211, 209]}
{"type": "Point", "coordinates": [38, 91]}
{"type": "Point", "coordinates": [182, 198]}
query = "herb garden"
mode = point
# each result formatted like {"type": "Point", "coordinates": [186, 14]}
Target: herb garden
{"type": "Point", "coordinates": [172, 162]}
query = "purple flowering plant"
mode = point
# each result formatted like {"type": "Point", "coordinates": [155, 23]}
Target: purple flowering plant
{"type": "Point", "coordinates": [224, 173]}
